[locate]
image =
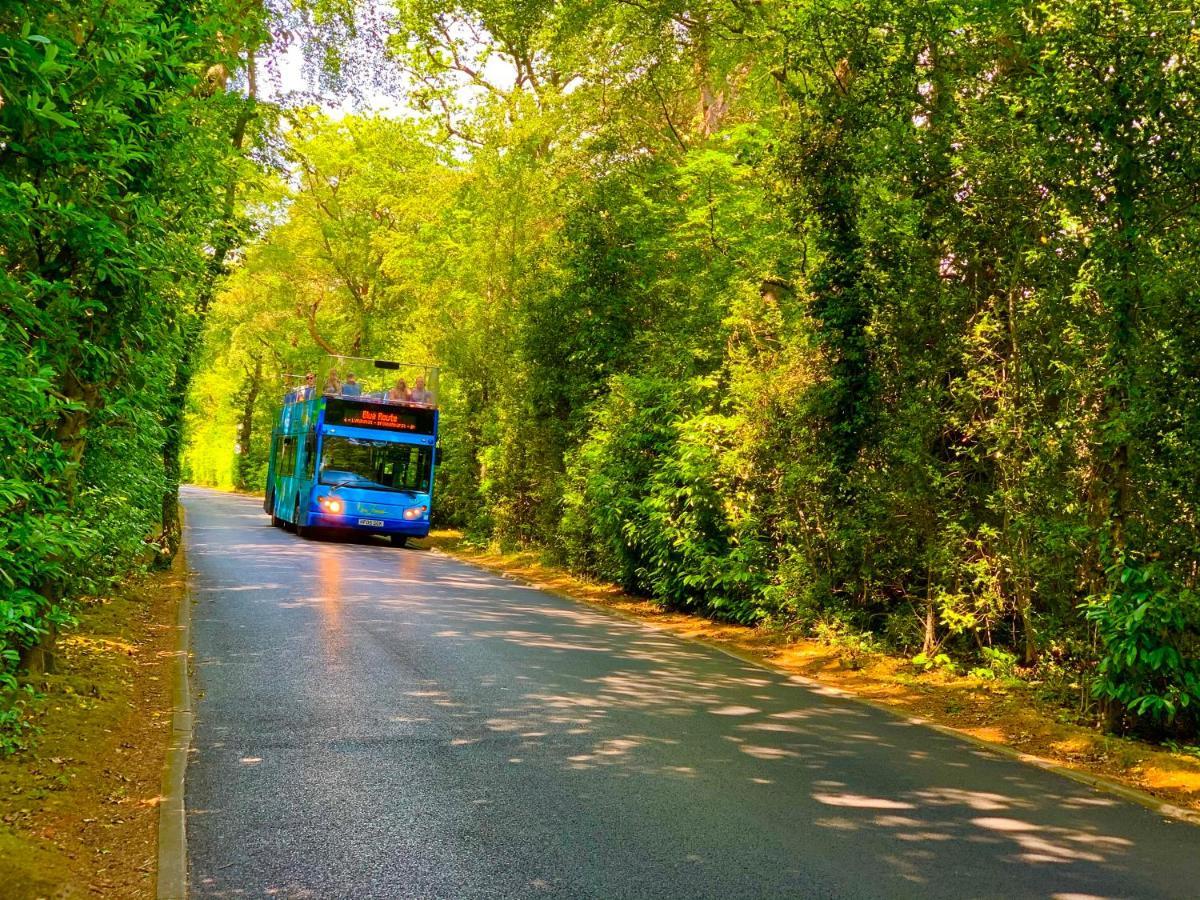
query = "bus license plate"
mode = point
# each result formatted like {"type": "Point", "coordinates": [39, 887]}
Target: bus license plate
{"type": "Point", "coordinates": [371, 523]}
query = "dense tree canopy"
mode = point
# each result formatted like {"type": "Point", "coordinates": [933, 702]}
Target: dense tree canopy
{"type": "Point", "coordinates": [117, 132]}
{"type": "Point", "coordinates": [869, 317]}
{"type": "Point", "coordinates": [860, 316]}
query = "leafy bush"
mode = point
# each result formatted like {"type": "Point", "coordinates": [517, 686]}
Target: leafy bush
{"type": "Point", "coordinates": [698, 548]}
{"type": "Point", "coordinates": [114, 150]}
{"type": "Point", "coordinates": [608, 478]}
{"type": "Point", "coordinates": [1150, 633]}
{"type": "Point", "coordinates": [836, 346]}
{"type": "Point", "coordinates": [928, 662]}
{"type": "Point", "coordinates": [854, 646]}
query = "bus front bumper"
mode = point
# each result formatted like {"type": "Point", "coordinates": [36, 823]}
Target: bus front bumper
{"type": "Point", "coordinates": [416, 528]}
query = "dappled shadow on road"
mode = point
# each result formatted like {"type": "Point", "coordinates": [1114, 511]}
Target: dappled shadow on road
{"type": "Point", "coordinates": [506, 683]}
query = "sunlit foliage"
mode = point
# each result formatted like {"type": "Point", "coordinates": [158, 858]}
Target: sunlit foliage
{"type": "Point", "coordinates": [874, 316]}
{"type": "Point", "coordinates": [115, 152]}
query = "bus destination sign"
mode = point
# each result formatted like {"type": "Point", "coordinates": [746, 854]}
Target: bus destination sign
{"type": "Point", "coordinates": [373, 418]}
{"type": "Point", "coordinates": [360, 414]}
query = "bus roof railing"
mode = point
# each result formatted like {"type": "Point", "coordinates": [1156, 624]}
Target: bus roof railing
{"type": "Point", "coordinates": [376, 380]}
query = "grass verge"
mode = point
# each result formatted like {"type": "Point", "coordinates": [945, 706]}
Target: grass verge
{"type": "Point", "coordinates": [79, 810]}
{"type": "Point", "coordinates": [1005, 712]}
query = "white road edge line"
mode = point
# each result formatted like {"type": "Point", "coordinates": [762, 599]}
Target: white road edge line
{"type": "Point", "coordinates": [172, 815]}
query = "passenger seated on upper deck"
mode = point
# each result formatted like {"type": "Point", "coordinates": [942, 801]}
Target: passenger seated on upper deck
{"type": "Point", "coordinates": [399, 392]}
{"type": "Point", "coordinates": [306, 390]}
{"type": "Point", "coordinates": [418, 393]}
{"type": "Point", "coordinates": [333, 387]}
{"type": "Point", "coordinates": [351, 388]}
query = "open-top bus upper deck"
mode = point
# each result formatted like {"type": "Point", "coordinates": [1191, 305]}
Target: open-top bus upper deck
{"type": "Point", "coordinates": [356, 452]}
{"type": "Point", "coordinates": [376, 380]}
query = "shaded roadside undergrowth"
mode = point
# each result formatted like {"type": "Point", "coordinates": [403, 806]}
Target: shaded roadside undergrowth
{"type": "Point", "coordinates": [79, 808]}
{"type": "Point", "coordinates": [1006, 712]}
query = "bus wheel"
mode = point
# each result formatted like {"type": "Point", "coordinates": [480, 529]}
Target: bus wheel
{"type": "Point", "coordinates": [398, 540]}
{"type": "Point", "coordinates": [301, 530]}
{"type": "Point", "coordinates": [277, 522]}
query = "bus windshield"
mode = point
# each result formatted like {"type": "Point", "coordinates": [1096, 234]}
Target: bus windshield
{"type": "Point", "coordinates": [378, 465]}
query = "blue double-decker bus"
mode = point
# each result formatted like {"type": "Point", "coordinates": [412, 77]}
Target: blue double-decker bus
{"type": "Point", "coordinates": [354, 449]}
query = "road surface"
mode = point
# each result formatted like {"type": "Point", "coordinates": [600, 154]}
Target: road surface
{"type": "Point", "coordinates": [376, 722]}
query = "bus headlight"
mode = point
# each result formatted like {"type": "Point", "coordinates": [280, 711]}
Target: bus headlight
{"type": "Point", "coordinates": [330, 504]}
{"type": "Point", "coordinates": [415, 512]}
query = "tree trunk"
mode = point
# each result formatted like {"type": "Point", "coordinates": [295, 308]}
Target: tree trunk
{"type": "Point", "coordinates": [1124, 300]}
{"type": "Point", "coordinates": [1019, 547]}
{"type": "Point", "coordinates": [224, 240]}
{"type": "Point", "coordinates": [246, 428]}
{"type": "Point", "coordinates": [1025, 609]}
{"type": "Point", "coordinates": [71, 435]}
{"type": "Point", "coordinates": [930, 644]}
{"type": "Point", "coordinates": [41, 659]}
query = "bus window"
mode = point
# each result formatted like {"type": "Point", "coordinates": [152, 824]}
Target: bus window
{"type": "Point", "coordinates": [287, 461]}
{"type": "Point", "coordinates": [379, 465]}
{"type": "Point", "coordinates": [310, 455]}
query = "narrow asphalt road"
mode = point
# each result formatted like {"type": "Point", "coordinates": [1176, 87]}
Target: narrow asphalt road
{"type": "Point", "coordinates": [374, 722]}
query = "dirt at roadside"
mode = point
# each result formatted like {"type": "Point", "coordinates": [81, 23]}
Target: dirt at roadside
{"type": "Point", "coordinates": [79, 811]}
{"type": "Point", "coordinates": [998, 712]}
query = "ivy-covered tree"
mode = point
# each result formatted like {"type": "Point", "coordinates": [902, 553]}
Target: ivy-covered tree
{"type": "Point", "coordinates": [865, 315]}
{"type": "Point", "coordinates": [115, 153]}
